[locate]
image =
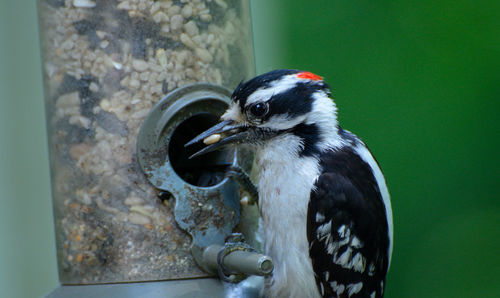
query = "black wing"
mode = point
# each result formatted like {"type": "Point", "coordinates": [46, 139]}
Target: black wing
{"type": "Point", "coordinates": [347, 228]}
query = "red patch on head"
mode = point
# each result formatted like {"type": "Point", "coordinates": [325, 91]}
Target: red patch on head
{"type": "Point", "coordinates": [308, 76]}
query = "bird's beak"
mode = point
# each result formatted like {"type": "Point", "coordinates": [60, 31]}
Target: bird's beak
{"type": "Point", "coordinates": [219, 135]}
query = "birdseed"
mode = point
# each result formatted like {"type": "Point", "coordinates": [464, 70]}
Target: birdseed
{"type": "Point", "coordinates": [212, 139]}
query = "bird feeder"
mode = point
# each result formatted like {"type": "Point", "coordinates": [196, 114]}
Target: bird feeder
{"type": "Point", "coordinates": [127, 83]}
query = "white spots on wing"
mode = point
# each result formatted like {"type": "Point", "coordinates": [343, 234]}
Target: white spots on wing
{"type": "Point", "coordinates": [326, 275]}
{"type": "Point", "coordinates": [323, 233]}
{"type": "Point", "coordinates": [371, 269]}
{"type": "Point", "coordinates": [320, 217]}
{"type": "Point", "coordinates": [354, 288]}
{"type": "Point", "coordinates": [322, 289]}
{"type": "Point", "coordinates": [348, 261]}
{"type": "Point", "coordinates": [373, 294]}
{"type": "Point", "coordinates": [331, 247]}
{"type": "Point", "coordinates": [356, 243]}
{"type": "Point", "coordinates": [343, 259]}
{"type": "Point", "coordinates": [311, 243]}
{"type": "Point", "coordinates": [342, 231]}
{"type": "Point", "coordinates": [337, 288]}
{"type": "Point", "coordinates": [358, 263]}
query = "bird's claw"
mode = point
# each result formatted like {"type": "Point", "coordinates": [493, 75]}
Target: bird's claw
{"type": "Point", "coordinates": [246, 183]}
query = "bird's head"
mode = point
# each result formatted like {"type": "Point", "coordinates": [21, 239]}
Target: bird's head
{"type": "Point", "coordinates": [273, 104]}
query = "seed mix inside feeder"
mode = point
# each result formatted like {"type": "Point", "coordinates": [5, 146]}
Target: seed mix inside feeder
{"type": "Point", "coordinates": [106, 64]}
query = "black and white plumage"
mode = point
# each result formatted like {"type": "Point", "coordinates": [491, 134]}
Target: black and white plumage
{"type": "Point", "coordinates": [325, 208]}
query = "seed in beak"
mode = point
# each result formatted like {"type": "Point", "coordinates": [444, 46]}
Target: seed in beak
{"type": "Point", "coordinates": [212, 139]}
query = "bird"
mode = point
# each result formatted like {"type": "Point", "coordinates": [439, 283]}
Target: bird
{"type": "Point", "coordinates": [325, 209]}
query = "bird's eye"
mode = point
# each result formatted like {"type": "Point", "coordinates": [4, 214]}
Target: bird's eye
{"type": "Point", "coordinates": [259, 109]}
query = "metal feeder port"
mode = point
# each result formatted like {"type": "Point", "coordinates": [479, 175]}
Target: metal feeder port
{"type": "Point", "coordinates": [206, 203]}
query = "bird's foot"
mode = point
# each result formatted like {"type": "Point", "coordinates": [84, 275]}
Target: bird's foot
{"type": "Point", "coordinates": [246, 183]}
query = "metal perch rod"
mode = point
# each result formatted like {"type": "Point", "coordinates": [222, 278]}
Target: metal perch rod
{"type": "Point", "coordinates": [239, 261]}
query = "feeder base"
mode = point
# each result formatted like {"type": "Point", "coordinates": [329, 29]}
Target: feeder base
{"type": "Point", "coordinates": [193, 288]}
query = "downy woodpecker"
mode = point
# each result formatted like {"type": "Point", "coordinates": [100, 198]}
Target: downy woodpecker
{"type": "Point", "coordinates": [324, 204]}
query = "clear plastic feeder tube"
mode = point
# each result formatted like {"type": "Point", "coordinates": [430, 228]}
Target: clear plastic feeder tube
{"type": "Point", "coordinates": [106, 63]}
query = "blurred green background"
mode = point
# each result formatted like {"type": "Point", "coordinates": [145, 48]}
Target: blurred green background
{"type": "Point", "coordinates": [419, 81]}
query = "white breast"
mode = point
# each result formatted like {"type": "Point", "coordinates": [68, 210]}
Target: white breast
{"type": "Point", "coordinates": [285, 183]}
